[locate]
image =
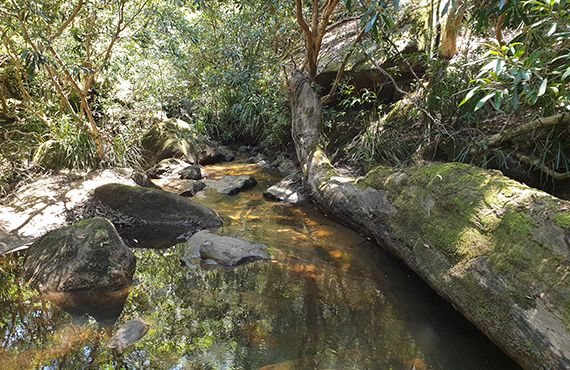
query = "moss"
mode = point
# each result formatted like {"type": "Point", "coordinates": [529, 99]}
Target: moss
{"type": "Point", "coordinates": [466, 213]}
{"type": "Point", "coordinates": [563, 219]}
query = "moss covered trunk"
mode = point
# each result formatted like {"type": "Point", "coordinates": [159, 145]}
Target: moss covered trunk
{"type": "Point", "coordinates": [497, 250]}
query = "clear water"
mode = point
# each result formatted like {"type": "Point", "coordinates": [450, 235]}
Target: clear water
{"type": "Point", "coordinates": [328, 299]}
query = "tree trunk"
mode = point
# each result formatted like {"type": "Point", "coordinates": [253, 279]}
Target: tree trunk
{"type": "Point", "coordinates": [448, 45]}
{"type": "Point", "coordinates": [498, 250]}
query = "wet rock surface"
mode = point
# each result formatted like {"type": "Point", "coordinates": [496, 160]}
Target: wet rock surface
{"type": "Point", "coordinates": [232, 185]}
{"type": "Point", "coordinates": [152, 218]}
{"type": "Point", "coordinates": [224, 250]}
{"type": "Point", "coordinates": [87, 255]}
{"type": "Point", "coordinates": [289, 190]}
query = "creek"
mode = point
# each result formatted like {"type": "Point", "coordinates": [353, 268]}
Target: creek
{"type": "Point", "coordinates": [328, 299]}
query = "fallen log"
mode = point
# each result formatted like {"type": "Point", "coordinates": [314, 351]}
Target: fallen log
{"type": "Point", "coordinates": [496, 249]}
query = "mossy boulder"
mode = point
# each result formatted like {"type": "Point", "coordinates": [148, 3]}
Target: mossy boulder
{"type": "Point", "coordinates": [153, 218]}
{"type": "Point", "coordinates": [88, 255]}
{"type": "Point", "coordinates": [174, 138]}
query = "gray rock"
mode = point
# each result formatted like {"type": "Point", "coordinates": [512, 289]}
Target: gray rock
{"type": "Point", "coordinates": [225, 250]}
{"type": "Point", "coordinates": [227, 154]}
{"type": "Point", "coordinates": [185, 188]}
{"type": "Point", "coordinates": [10, 243]}
{"type": "Point", "coordinates": [156, 218]}
{"type": "Point", "coordinates": [289, 190]}
{"type": "Point", "coordinates": [191, 188]}
{"type": "Point", "coordinates": [170, 167]}
{"type": "Point", "coordinates": [87, 255]}
{"type": "Point", "coordinates": [128, 334]}
{"type": "Point", "coordinates": [142, 179]}
{"type": "Point", "coordinates": [286, 166]}
{"type": "Point", "coordinates": [193, 172]}
{"type": "Point", "coordinates": [232, 185]}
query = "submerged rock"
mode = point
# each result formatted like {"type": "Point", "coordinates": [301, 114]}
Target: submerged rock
{"type": "Point", "coordinates": [289, 190]}
{"type": "Point", "coordinates": [232, 185]}
{"type": "Point", "coordinates": [225, 250]}
{"type": "Point", "coordinates": [104, 305]}
{"type": "Point", "coordinates": [128, 334]}
{"type": "Point", "coordinates": [87, 255]}
{"type": "Point", "coordinates": [154, 218]}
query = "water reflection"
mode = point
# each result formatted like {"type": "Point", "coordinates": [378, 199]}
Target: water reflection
{"type": "Point", "coordinates": [328, 299]}
{"type": "Point", "coordinates": [103, 305]}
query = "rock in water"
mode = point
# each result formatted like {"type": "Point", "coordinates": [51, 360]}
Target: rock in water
{"type": "Point", "coordinates": [289, 190]}
{"type": "Point", "coordinates": [225, 250]}
{"type": "Point", "coordinates": [232, 185]}
{"type": "Point", "coordinates": [86, 255]}
{"type": "Point", "coordinates": [157, 219]}
{"type": "Point", "coordinates": [128, 334]}
{"type": "Point", "coordinates": [193, 172]}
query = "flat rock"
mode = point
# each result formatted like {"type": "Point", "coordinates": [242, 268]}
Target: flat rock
{"type": "Point", "coordinates": [44, 203]}
{"type": "Point", "coordinates": [86, 255]}
{"type": "Point", "coordinates": [156, 218]}
{"type": "Point", "coordinates": [224, 250]}
{"type": "Point", "coordinates": [232, 185]}
{"type": "Point", "coordinates": [289, 190]}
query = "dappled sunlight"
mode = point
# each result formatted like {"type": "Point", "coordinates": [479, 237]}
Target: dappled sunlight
{"type": "Point", "coordinates": [327, 298]}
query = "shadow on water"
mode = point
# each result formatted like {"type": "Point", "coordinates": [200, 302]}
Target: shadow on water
{"type": "Point", "coordinates": [328, 299]}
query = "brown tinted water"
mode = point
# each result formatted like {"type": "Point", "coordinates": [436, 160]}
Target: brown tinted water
{"type": "Point", "coordinates": [328, 299]}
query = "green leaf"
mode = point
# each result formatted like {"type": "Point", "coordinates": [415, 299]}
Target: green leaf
{"type": "Point", "coordinates": [469, 95]}
{"type": "Point", "coordinates": [566, 74]}
{"type": "Point", "coordinates": [483, 100]}
{"type": "Point", "coordinates": [542, 88]}
{"type": "Point", "coordinates": [445, 8]}
{"type": "Point", "coordinates": [552, 30]}
{"type": "Point", "coordinates": [370, 25]}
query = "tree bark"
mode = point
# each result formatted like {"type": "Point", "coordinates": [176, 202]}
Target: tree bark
{"type": "Point", "coordinates": [496, 249]}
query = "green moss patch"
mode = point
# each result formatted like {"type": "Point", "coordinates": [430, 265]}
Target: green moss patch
{"type": "Point", "coordinates": [563, 219]}
{"type": "Point", "coordinates": [466, 213]}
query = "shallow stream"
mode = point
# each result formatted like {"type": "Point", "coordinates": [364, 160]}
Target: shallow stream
{"type": "Point", "coordinates": [328, 299]}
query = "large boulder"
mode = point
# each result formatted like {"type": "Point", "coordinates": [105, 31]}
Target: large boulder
{"type": "Point", "coordinates": [152, 218]}
{"type": "Point", "coordinates": [87, 255]}
{"type": "Point", "coordinates": [172, 138]}
{"type": "Point", "coordinates": [224, 250]}
{"type": "Point", "coordinates": [288, 190]}
{"type": "Point", "coordinates": [232, 185]}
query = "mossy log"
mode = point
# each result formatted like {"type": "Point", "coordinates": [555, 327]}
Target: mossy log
{"type": "Point", "coordinates": [497, 250]}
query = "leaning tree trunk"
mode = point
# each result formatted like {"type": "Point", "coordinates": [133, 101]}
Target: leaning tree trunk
{"type": "Point", "coordinates": [498, 250]}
